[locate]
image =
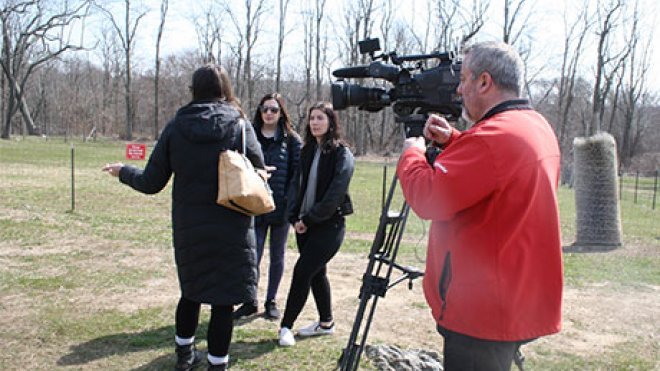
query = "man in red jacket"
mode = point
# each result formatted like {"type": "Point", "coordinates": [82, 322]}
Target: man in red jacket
{"type": "Point", "coordinates": [494, 272]}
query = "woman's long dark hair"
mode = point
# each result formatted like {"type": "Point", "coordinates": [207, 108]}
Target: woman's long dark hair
{"type": "Point", "coordinates": [284, 120]}
{"type": "Point", "coordinates": [212, 82]}
{"type": "Point", "coordinates": [332, 137]}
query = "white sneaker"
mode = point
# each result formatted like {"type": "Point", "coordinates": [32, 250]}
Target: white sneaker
{"type": "Point", "coordinates": [286, 337]}
{"type": "Point", "coordinates": [315, 329]}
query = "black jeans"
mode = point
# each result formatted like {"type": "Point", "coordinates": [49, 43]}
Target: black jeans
{"type": "Point", "coordinates": [220, 329]}
{"type": "Point", "coordinates": [317, 246]}
{"type": "Point", "coordinates": [465, 353]}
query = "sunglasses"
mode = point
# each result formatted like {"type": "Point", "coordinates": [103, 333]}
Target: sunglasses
{"type": "Point", "coordinates": [265, 109]}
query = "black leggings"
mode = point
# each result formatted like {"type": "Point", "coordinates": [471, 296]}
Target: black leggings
{"type": "Point", "coordinates": [220, 325]}
{"type": "Point", "coordinates": [317, 246]}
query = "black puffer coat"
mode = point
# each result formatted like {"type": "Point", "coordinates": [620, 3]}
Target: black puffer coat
{"type": "Point", "coordinates": [214, 247]}
{"type": "Point", "coordinates": [283, 152]}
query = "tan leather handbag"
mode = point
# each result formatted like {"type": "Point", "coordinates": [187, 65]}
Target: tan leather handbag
{"type": "Point", "coordinates": [240, 186]}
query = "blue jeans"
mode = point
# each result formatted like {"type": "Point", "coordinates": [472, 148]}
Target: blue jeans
{"type": "Point", "coordinates": [278, 237]}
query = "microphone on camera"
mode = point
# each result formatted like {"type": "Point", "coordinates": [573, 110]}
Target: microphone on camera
{"type": "Point", "coordinates": [352, 72]}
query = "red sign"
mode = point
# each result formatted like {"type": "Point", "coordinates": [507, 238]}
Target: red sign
{"type": "Point", "coordinates": [136, 151]}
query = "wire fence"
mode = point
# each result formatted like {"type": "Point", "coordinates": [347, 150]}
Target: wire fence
{"type": "Point", "coordinates": [640, 187]}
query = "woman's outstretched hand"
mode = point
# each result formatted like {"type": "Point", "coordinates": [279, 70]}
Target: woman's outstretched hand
{"type": "Point", "coordinates": [113, 169]}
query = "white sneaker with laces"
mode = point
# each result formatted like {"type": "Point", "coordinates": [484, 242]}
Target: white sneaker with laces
{"type": "Point", "coordinates": [286, 338]}
{"type": "Point", "coordinates": [315, 329]}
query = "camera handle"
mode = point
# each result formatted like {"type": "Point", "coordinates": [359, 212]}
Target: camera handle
{"type": "Point", "coordinates": [377, 277]}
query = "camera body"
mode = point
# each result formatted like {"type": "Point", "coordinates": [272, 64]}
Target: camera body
{"type": "Point", "coordinates": [416, 91]}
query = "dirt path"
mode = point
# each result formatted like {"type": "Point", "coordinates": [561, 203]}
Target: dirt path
{"type": "Point", "coordinates": [595, 317]}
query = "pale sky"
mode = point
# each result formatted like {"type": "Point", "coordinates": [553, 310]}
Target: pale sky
{"type": "Point", "coordinates": [546, 28]}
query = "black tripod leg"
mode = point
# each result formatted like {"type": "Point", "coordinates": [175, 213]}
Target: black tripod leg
{"type": "Point", "coordinates": [376, 278]}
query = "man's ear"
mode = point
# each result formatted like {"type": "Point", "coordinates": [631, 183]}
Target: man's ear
{"type": "Point", "coordinates": [485, 81]}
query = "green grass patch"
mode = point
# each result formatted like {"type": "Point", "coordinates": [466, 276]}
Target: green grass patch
{"type": "Point", "coordinates": [51, 253]}
{"type": "Point", "coordinates": [584, 269]}
{"type": "Point", "coordinates": [639, 355]}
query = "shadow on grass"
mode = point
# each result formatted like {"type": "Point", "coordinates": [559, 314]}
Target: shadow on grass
{"type": "Point", "coordinates": [118, 344]}
{"type": "Point", "coordinates": [160, 338]}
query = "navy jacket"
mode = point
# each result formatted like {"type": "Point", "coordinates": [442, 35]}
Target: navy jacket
{"type": "Point", "coordinates": [214, 247]}
{"type": "Point", "coordinates": [283, 152]}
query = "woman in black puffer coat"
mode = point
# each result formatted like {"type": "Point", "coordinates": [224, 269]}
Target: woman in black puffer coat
{"type": "Point", "coordinates": [281, 147]}
{"type": "Point", "coordinates": [214, 247]}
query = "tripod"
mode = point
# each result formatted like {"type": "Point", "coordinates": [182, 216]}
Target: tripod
{"type": "Point", "coordinates": [376, 279]}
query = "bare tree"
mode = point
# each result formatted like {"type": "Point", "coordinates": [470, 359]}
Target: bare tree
{"type": "Point", "coordinates": [452, 21]}
{"type": "Point", "coordinates": [126, 31]}
{"type": "Point", "coordinates": [363, 130]}
{"type": "Point", "coordinates": [161, 25]}
{"type": "Point", "coordinates": [281, 35]}
{"type": "Point", "coordinates": [573, 47]}
{"type": "Point", "coordinates": [422, 38]}
{"type": "Point", "coordinates": [637, 68]}
{"type": "Point", "coordinates": [512, 30]}
{"type": "Point", "coordinates": [358, 25]}
{"type": "Point", "coordinates": [447, 11]}
{"type": "Point", "coordinates": [208, 27]}
{"type": "Point", "coordinates": [248, 32]}
{"type": "Point", "coordinates": [608, 18]}
{"type": "Point", "coordinates": [109, 53]}
{"type": "Point", "coordinates": [311, 17]}
{"type": "Point", "coordinates": [318, 17]}
{"type": "Point", "coordinates": [308, 52]}
{"type": "Point", "coordinates": [32, 34]}
{"type": "Point", "coordinates": [386, 27]}
{"type": "Point", "coordinates": [474, 19]}
{"type": "Point", "coordinates": [517, 16]}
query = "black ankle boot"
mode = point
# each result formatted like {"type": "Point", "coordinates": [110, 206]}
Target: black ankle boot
{"type": "Point", "coordinates": [245, 310]}
{"type": "Point", "coordinates": [220, 367]}
{"type": "Point", "coordinates": [271, 310]}
{"type": "Point", "coordinates": [187, 357]}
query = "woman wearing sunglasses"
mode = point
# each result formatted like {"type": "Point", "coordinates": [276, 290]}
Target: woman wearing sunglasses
{"type": "Point", "coordinates": [281, 147]}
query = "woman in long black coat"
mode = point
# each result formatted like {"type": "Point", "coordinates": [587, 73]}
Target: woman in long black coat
{"type": "Point", "coordinates": [214, 247]}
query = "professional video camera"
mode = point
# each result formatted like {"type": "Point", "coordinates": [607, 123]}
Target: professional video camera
{"type": "Point", "coordinates": [417, 91]}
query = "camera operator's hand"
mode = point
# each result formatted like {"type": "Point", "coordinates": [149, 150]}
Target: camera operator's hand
{"type": "Point", "coordinates": [437, 129]}
{"type": "Point", "coordinates": [418, 142]}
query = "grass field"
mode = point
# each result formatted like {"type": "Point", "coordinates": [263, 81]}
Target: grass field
{"type": "Point", "coordinates": [91, 284]}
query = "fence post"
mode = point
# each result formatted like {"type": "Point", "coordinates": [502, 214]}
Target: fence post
{"type": "Point", "coordinates": [655, 188]}
{"type": "Point", "coordinates": [73, 178]}
{"type": "Point", "coordinates": [636, 185]}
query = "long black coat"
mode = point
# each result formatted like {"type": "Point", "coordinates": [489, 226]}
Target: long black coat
{"type": "Point", "coordinates": [214, 247]}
